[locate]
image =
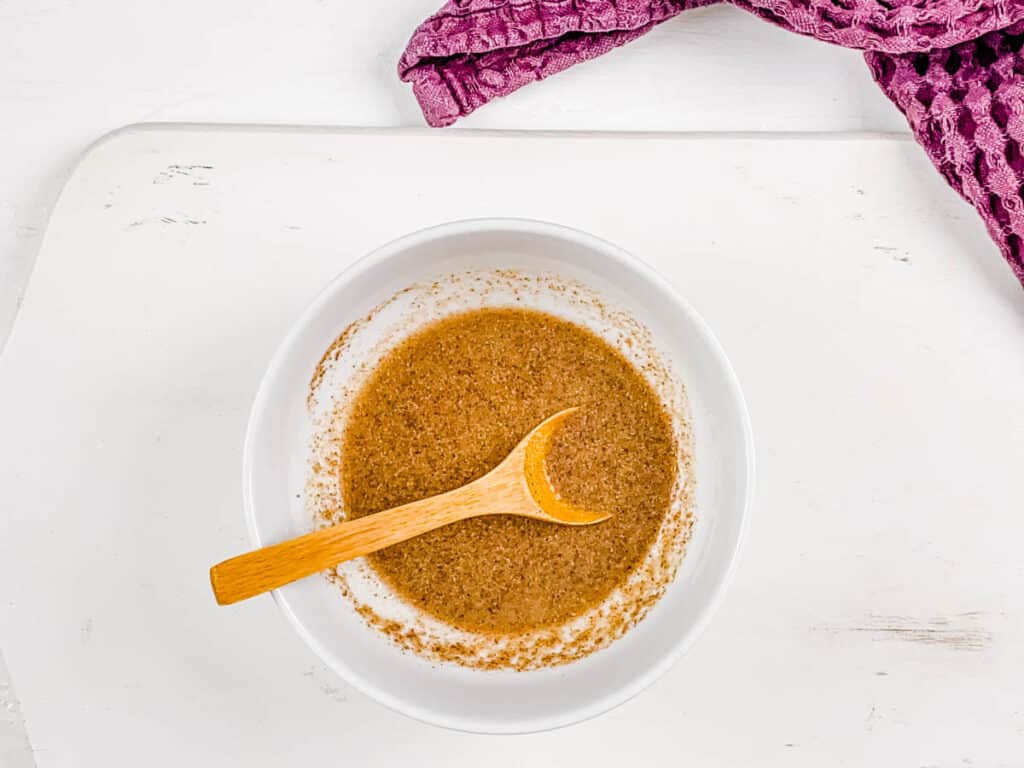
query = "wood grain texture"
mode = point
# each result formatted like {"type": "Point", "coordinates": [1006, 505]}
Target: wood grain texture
{"type": "Point", "coordinates": [519, 485]}
{"type": "Point", "coordinates": [964, 631]}
{"type": "Point", "coordinates": [271, 567]}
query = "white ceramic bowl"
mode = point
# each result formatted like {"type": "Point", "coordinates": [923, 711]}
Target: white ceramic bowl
{"type": "Point", "coordinates": [275, 471]}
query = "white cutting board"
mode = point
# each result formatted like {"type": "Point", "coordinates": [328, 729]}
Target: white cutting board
{"type": "Point", "coordinates": [877, 617]}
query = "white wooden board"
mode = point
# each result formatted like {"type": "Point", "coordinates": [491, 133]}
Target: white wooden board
{"type": "Point", "coordinates": [877, 615]}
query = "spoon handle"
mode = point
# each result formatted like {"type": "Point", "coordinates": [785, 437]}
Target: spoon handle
{"type": "Point", "coordinates": [271, 567]}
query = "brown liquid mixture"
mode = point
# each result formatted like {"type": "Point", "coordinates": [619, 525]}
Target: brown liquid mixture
{"type": "Point", "coordinates": [448, 404]}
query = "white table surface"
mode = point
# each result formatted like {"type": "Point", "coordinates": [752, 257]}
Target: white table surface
{"type": "Point", "coordinates": [72, 71]}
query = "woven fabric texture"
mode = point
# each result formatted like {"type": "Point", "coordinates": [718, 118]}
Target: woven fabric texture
{"type": "Point", "coordinates": [953, 67]}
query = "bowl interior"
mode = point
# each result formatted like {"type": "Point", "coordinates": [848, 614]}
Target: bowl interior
{"type": "Point", "coordinates": [275, 473]}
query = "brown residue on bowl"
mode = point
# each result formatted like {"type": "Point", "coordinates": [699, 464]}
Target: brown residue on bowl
{"type": "Point", "coordinates": [448, 404]}
{"type": "Point", "coordinates": [440, 405]}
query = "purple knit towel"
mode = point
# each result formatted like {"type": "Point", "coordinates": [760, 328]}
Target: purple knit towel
{"type": "Point", "coordinates": [954, 67]}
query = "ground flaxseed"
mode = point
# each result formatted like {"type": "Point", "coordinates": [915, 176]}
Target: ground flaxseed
{"type": "Point", "coordinates": [448, 404]}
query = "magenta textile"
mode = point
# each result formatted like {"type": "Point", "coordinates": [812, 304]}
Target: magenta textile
{"type": "Point", "coordinates": [954, 67]}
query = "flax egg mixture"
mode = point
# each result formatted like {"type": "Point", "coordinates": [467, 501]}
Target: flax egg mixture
{"type": "Point", "coordinates": [447, 404]}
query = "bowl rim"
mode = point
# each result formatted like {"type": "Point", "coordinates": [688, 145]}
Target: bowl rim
{"type": "Point", "coordinates": [623, 258]}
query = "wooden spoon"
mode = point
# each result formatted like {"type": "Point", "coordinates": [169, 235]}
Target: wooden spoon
{"type": "Point", "coordinates": [519, 485]}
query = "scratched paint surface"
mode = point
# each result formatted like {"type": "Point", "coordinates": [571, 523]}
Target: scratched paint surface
{"type": "Point", "coordinates": [969, 631]}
